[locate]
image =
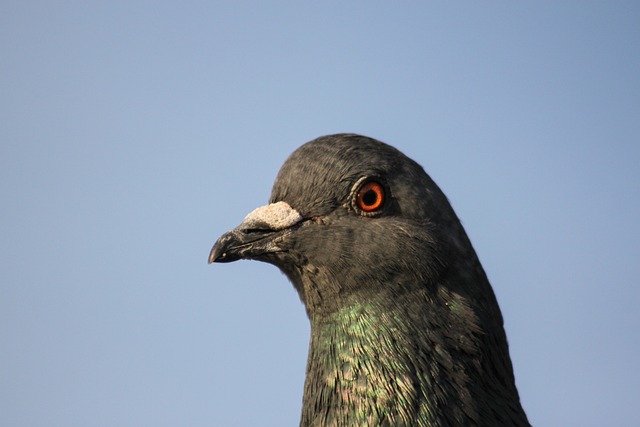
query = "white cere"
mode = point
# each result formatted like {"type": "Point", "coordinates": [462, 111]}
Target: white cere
{"type": "Point", "coordinates": [277, 216]}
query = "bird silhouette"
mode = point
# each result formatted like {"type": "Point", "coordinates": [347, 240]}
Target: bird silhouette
{"type": "Point", "coordinates": [405, 327]}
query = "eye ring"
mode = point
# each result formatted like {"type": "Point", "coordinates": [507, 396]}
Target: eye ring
{"type": "Point", "coordinates": [370, 197]}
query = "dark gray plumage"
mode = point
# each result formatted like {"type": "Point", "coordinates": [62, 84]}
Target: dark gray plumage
{"type": "Point", "coordinates": [405, 328]}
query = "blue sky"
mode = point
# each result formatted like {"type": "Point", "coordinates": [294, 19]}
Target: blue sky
{"type": "Point", "coordinates": [134, 133]}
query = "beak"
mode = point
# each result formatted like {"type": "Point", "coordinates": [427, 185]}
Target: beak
{"type": "Point", "coordinates": [258, 235]}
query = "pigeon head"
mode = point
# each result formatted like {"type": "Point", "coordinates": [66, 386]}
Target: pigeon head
{"type": "Point", "coordinates": [344, 211]}
{"type": "Point", "coordinates": [405, 328]}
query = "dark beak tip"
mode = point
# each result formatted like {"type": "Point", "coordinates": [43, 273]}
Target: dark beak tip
{"type": "Point", "coordinates": [216, 255]}
{"type": "Point", "coordinates": [216, 251]}
{"type": "Point", "coordinates": [223, 250]}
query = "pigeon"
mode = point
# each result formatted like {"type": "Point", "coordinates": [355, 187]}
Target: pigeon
{"type": "Point", "coordinates": [405, 327]}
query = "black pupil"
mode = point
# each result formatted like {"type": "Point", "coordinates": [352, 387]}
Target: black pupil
{"type": "Point", "coordinates": [369, 198]}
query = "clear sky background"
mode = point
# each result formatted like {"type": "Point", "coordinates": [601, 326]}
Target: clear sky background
{"type": "Point", "coordinates": [134, 133]}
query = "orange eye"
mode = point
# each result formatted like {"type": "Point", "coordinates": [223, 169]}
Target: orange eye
{"type": "Point", "coordinates": [370, 196]}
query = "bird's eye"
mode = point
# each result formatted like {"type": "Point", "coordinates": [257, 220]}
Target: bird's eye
{"type": "Point", "coordinates": [370, 197]}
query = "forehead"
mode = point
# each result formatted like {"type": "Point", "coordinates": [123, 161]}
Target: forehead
{"type": "Point", "coordinates": [319, 175]}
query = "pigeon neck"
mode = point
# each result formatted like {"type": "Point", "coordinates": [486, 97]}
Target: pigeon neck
{"type": "Point", "coordinates": [395, 362]}
{"type": "Point", "coordinates": [366, 366]}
